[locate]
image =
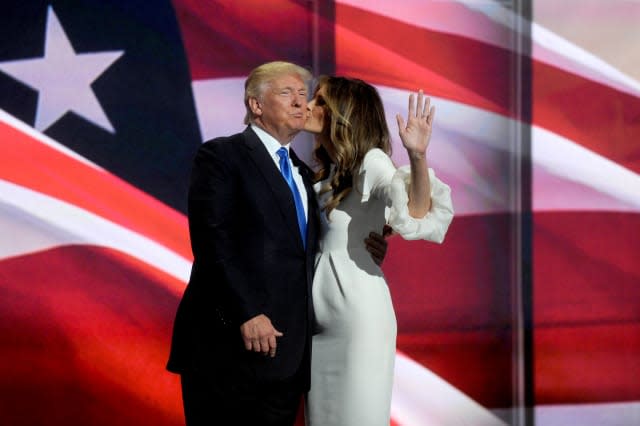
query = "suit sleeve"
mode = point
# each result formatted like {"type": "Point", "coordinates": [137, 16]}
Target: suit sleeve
{"type": "Point", "coordinates": [219, 234]}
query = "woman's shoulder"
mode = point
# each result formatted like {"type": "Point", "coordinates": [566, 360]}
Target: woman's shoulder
{"type": "Point", "coordinates": [376, 153]}
{"type": "Point", "coordinates": [375, 158]}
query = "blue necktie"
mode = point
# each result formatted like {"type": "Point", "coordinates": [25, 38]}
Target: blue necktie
{"type": "Point", "coordinates": [285, 169]}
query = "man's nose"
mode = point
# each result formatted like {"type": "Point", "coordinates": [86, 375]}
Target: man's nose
{"type": "Point", "coordinates": [298, 99]}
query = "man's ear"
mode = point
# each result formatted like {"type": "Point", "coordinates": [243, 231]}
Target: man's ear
{"type": "Point", "coordinates": [256, 106]}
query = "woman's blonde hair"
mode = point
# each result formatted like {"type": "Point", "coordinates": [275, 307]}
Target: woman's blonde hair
{"type": "Point", "coordinates": [260, 78]}
{"type": "Point", "coordinates": [354, 124]}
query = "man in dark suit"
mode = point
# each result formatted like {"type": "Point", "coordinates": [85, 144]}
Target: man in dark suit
{"type": "Point", "coordinates": [242, 334]}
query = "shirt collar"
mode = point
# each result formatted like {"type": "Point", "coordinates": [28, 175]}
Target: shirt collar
{"type": "Point", "coordinates": [268, 141]}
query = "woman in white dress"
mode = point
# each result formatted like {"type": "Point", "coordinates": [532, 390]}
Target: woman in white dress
{"type": "Point", "coordinates": [360, 189]}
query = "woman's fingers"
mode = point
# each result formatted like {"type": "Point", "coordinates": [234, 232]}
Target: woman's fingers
{"type": "Point", "coordinates": [425, 109]}
{"type": "Point", "coordinates": [400, 122]}
{"type": "Point", "coordinates": [432, 113]}
{"type": "Point", "coordinates": [412, 107]}
{"type": "Point", "coordinates": [419, 107]}
{"type": "Point", "coordinates": [419, 104]}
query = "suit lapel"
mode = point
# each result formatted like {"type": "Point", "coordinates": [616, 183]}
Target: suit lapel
{"type": "Point", "coordinates": [281, 192]}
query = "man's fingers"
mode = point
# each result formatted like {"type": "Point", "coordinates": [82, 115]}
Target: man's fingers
{"type": "Point", "coordinates": [272, 346]}
{"type": "Point", "coordinates": [247, 344]}
{"type": "Point", "coordinates": [267, 344]}
{"type": "Point", "coordinates": [259, 335]}
{"type": "Point", "coordinates": [264, 345]}
{"type": "Point", "coordinates": [255, 345]}
{"type": "Point", "coordinates": [374, 247]}
{"type": "Point", "coordinates": [377, 252]}
{"type": "Point", "coordinates": [376, 244]}
{"type": "Point", "coordinates": [273, 342]}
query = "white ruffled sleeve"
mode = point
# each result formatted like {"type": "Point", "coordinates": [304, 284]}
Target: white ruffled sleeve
{"type": "Point", "coordinates": [434, 225]}
{"type": "Point", "coordinates": [383, 180]}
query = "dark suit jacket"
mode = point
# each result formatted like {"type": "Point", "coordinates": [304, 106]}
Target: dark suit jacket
{"type": "Point", "coordinates": [248, 260]}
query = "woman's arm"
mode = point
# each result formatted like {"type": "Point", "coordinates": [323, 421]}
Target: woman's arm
{"type": "Point", "coordinates": [415, 136]}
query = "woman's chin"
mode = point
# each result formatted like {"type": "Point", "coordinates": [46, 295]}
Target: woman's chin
{"type": "Point", "coordinates": [311, 129]}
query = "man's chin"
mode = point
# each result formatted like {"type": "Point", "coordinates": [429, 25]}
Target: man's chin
{"type": "Point", "coordinates": [298, 124]}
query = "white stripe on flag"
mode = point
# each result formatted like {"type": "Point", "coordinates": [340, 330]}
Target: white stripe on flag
{"type": "Point", "coordinates": [31, 222]}
{"type": "Point", "coordinates": [25, 128]}
{"type": "Point", "coordinates": [421, 398]}
{"type": "Point", "coordinates": [611, 414]}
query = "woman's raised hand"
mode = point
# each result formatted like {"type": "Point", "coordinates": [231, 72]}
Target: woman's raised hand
{"type": "Point", "coordinates": [416, 132]}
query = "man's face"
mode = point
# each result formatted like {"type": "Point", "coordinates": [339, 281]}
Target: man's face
{"type": "Point", "coordinates": [282, 111]}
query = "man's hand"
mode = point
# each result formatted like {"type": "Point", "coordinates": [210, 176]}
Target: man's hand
{"type": "Point", "coordinates": [377, 245]}
{"type": "Point", "coordinates": [259, 335]}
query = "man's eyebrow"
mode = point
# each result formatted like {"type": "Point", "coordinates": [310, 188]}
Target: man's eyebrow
{"type": "Point", "coordinates": [293, 89]}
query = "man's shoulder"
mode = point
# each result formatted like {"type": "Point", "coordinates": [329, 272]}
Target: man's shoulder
{"type": "Point", "coordinates": [223, 140]}
{"type": "Point", "coordinates": [226, 144]}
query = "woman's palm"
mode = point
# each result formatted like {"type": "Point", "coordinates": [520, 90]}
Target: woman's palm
{"type": "Point", "coordinates": [416, 133]}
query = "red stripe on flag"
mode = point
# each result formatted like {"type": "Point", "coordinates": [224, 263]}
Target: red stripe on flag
{"type": "Point", "coordinates": [229, 38]}
{"type": "Point", "coordinates": [85, 334]}
{"type": "Point", "coordinates": [30, 163]}
{"type": "Point", "coordinates": [586, 307]}
{"type": "Point", "coordinates": [586, 268]}
{"type": "Point", "coordinates": [587, 363]}
{"type": "Point", "coordinates": [594, 115]}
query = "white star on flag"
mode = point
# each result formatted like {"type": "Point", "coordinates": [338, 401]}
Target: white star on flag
{"type": "Point", "coordinates": [63, 78]}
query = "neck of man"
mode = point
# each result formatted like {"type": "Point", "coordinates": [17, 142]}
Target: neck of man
{"type": "Point", "coordinates": [284, 137]}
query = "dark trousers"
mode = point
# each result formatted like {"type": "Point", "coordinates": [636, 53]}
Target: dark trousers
{"type": "Point", "coordinates": [208, 401]}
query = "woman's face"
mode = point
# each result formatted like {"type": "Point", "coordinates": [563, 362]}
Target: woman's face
{"type": "Point", "coordinates": [316, 113]}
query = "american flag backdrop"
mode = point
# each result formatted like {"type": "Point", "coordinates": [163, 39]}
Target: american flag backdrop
{"type": "Point", "coordinates": [103, 104]}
